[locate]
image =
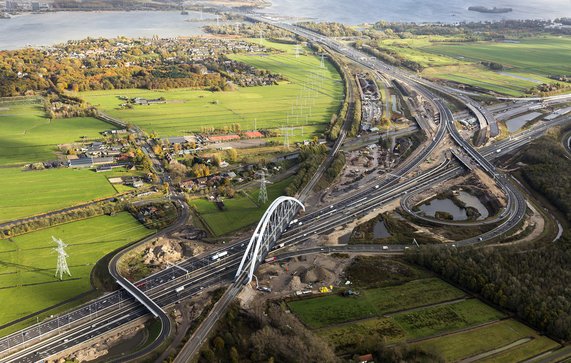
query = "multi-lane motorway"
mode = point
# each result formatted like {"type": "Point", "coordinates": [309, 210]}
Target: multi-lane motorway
{"type": "Point", "coordinates": [169, 286]}
{"type": "Point", "coordinates": [116, 309]}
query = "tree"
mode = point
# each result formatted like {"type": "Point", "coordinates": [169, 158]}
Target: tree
{"type": "Point", "coordinates": [216, 159]}
{"type": "Point", "coordinates": [232, 155]}
{"type": "Point", "coordinates": [234, 356]}
{"type": "Point", "coordinates": [218, 344]}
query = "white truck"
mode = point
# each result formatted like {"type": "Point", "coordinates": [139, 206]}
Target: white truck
{"type": "Point", "coordinates": [219, 255]}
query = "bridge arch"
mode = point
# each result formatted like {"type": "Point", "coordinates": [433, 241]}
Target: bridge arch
{"type": "Point", "coordinates": [274, 221]}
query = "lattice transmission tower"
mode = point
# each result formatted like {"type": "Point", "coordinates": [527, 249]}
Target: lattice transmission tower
{"type": "Point", "coordinates": [263, 196]}
{"type": "Point", "coordinates": [62, 267]}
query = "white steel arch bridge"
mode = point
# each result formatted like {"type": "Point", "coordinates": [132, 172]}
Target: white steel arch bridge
{"type": "Point", "coordinates": [273, 223]}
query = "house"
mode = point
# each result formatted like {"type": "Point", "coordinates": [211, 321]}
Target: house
{"type": "Point", "coordinates": [176, 140]}
{"type": "Point", "coordinates": [103, 160]}
{"type": "Point", "coordinates": [187, 184]}
{"type": "Point", "coordinates": [80, 163]}
{"type": "Point", "coordinates": [366, 358]}
{"type": "Point", "coordinates": [253, 134]}
{"type": "Point", "coordinates": [133, 181]}
{"type": "Point", "coordinates": [115, 180]}
{"type": "Point", "coordinates": [223, 138]}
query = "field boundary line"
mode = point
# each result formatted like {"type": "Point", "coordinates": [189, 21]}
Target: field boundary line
{"type": "Point", "coordinates": [458, 331]}
{"type": "Point", "coordinates": [493, 352]}
{"type": "Point", "coordinates": [390, 314]}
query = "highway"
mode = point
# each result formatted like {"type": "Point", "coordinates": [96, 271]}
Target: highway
{"type": "Point", "coordinates": [205, 272]}
{"type": "Point", "coordinates": [116, 309]}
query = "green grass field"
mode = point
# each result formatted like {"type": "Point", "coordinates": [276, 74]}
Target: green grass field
{"type": "Point", "coordinates": [27, 262]}
{"type": "Point", "coordinates": [334, 309]}
{"type": "Point", "coordinates": [26, 135]}
{"type": "Point", "coordinates": [240, 211]}
{"type": "Point", "coordinates": [523, 352]}
{"type": "Point", "coordinates": [26, 193]}
{"type": "Point", "coordinates": [442, 318]}
{"type": "Point", "coordinates": [526, 62]}
{"type": "Point", "coordinates": [539, 55]}
{"type": "Point", "coordinates": [466, 344]}
{"type": "Point", "coordinates": [266, 107]}
{"type": "Point", "coordinates": [346, 337]}
{"type": "Point", "coordinates": [411, 325]}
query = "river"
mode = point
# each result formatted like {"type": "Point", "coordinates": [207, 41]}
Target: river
{"type": "Point", "coordinates": [58, 27]}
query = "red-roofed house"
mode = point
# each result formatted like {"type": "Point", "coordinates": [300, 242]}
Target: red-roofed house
{"type": "Point", "coordinates": [367, 358]}
{"type": "Point", "coordinates": [222, 138]}
{"type": "Point", "coordinates": [253, 134]}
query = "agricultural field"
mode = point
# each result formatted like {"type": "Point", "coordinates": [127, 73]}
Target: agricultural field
{"type": "Point", "coordinates": [466, 344]}
{"type": "Point", "coordinates": [27, 262]}
{"type": "Point", "coordinates": [26, 193]}
{"type": "Point", "coordinates": [426, 313]}
{"type": "Point", "coordinates": [27, 136]}
{"type": "Point", "coordinates": [336, 309]}
{"type": "Point", "coordinates": [308, 98]}
{"type": "Point", "coordinates": [411, 325]}
{"type": "Point", "coordinates": [527, 62]}
{"type": "Point", "coordinates": [240, 211]}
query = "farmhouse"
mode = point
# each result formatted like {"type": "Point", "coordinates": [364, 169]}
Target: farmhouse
{"type": "Point", "coordinates": [253, 134]}
{"type": "Point", "coordinates": [222, 138]}
{"type": "Point", "coordinates": [80, 163]}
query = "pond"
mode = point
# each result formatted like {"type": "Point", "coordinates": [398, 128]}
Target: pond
{"type": "Point", "coordinates": [517, 123]}
{"type": "Point", "coordinates": [380, 230]}
{"type": "Point", "coordinates": [458, 213]}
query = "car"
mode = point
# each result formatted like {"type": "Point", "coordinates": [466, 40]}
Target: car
{"type": "Point", "coordinates": [385, 248]}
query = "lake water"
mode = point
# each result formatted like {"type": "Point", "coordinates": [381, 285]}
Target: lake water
{"type": "Point", "coordinates": [449, 11]}
{"type": "Point", "coordinates": [59, 27]}
{"type": "Point", "coordinates": [52, 28]}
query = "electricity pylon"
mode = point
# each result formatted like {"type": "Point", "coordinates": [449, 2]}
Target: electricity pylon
{"type": "Point", "coordinates": [263, 196]}
{"type": "Point", "coordinates": [62, 267]}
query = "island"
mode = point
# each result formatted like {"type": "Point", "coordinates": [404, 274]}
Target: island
{"type": "Point", "coordinates": [494, 10]}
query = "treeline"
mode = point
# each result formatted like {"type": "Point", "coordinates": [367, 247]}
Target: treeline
{"type": "Point", "coordinates": [531, 282]}
{"type": "Point", "coordinates": [547, 171]}
{"type": "Point", "coordinates": [549, 89]}
{"type": "Point", "coordinates": [250, 30]}
{"type": "Point", "coordinates": [60, 105]}
{"type": "Point", "coordinates": [310, 157]}
{"type": "Point", "coordinates": [333, 170]}
{"type": "Point", "coordinates": [75, 214]}
{"type": "Point", "coordinates": [387, 55]}
{"type": "Point", "coordinates": [331, 29]}
{"type": "Point", "coordinates": [471, 31]}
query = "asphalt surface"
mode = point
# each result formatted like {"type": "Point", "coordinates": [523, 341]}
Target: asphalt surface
{"type": "Point", "coordinates": [117, 308]}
